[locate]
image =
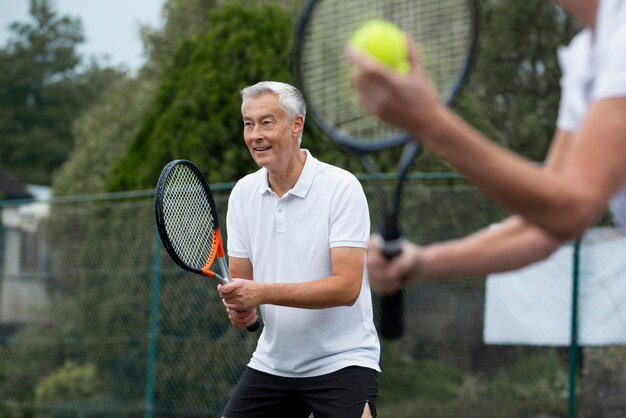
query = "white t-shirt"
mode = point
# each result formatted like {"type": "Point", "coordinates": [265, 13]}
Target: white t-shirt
{"type": "Point", "coordinates": [288, 240]}
{"type": "Point", "coordinates": [594, 68]}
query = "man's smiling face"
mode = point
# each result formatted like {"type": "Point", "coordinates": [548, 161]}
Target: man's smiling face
{"type": "Point", "coordinates": [271, 139]}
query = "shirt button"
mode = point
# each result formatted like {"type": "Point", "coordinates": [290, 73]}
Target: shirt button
{"type": "Point", "coordinates": [280, 210]}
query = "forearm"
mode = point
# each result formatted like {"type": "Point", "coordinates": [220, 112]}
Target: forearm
{"type": "Point", "coordinates": [342, 288]}
{"type": "Point", "coordinates": [327, 292]}
{"type": "Point", "coordinates": [507, 246]}
{"type": "Point", "coordinates": [549, 199]}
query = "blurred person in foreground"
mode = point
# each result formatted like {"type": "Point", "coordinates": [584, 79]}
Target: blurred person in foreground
{"type": "Point", "coordinates": [585, 168]}
{"type": "Point", "coordinates": [298, 232]}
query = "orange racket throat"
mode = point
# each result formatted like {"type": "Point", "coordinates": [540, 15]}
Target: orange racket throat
{"type": "Point", "coordinates": [217, 249]}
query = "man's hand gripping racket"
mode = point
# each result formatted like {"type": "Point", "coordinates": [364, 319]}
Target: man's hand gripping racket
{"type": "Point", "coordinates": [186, 218]}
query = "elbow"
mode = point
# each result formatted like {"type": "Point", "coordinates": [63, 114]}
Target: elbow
{"type": "Point", "coordinates": [567, 232]}
{"type": "Point", "coordinates": [573, 222]}
{"type": "Point", "coordinates": [350, 299]}
{"type": "Point", "coordinates": [351, 296]}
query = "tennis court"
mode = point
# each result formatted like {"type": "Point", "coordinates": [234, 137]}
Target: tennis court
{"type": "Point", "coordinates": [97, 321]}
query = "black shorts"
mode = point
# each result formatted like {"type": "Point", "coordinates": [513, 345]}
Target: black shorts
{"type": "Point", "coordinates": [341, 394]}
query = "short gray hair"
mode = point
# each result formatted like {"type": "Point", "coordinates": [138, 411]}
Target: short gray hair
{"type": "Point", "coordinates": [289, 97]}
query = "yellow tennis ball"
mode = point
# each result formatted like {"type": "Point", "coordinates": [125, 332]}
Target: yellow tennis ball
{"type": "Point", "coordinates": [383, 41]}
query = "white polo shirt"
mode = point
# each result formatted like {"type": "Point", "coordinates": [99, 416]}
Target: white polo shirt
{"type": "Point", "coordinates": [594, 68]}
{"type": "Point", "coordinates": [288, 240]}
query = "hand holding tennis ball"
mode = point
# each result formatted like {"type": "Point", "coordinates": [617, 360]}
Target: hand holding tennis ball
{"type": "Point", "coordinates": [383, 41]}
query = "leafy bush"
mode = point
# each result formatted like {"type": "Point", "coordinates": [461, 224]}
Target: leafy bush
{"type": "Point", "coordinates": [70, 382]}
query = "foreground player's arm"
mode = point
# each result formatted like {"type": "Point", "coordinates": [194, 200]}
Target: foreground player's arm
{"type": "Point", "coordinates": [563, 203]}
{"type": "Point", "coordinates": [342, 288]}
{"type": "Point", "coordinates": [509, 245]}
{"type": "Point", "coordinates": [506, 246]}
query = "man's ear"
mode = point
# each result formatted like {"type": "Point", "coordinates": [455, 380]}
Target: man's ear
{"type": "Point", "coordinates": [298, 125]}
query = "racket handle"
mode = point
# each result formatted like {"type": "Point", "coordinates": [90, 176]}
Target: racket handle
{"type": "Point", "coordinates": [391, 306]}
{"type": "Point", "coordinates": [226, 280]}
{"type": "Point", "coordinates": [254, 326]}
{"type": "Point", "coordinates": [391, 314]}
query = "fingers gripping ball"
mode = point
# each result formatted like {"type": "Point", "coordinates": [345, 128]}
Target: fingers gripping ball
{"type": "Point", "coordinates": [384, 42]}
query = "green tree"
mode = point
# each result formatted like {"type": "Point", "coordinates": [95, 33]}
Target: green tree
{"type": "Point", "coordinates": [103, 133]}
{"type": "Point", "coordinates": [196, 113]}
{"type": "Point", "coordinates": [188, 18]}
{"type": "Point", "coordinates": [42, 89]}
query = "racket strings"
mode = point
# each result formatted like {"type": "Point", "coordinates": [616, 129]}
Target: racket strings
{"type": "Point", "coordinates": [443, 30]}
{"type": "Point", "coordinates": [188, 218]}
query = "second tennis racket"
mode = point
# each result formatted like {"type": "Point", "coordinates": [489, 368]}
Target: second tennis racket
{"type": "Point", "coordinates": [186, 218]}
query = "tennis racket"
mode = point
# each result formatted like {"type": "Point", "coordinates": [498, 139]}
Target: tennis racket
{"type": "Point", "coordinates": [447, 32]}
{"type": "Point", "coordinates": [186, 218]}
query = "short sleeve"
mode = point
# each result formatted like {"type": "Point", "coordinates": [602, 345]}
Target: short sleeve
{"type": "Point", "coordinates": [349, 216]}
{"type": "Point", "coordinates": [575, 81]}
{"type": "Point", "coordinates": [235, 225]}
{"type": "Point", "coordinates": [610, 51]}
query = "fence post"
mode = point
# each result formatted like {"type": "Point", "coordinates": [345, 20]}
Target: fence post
{"type": "Point", "coordinates": [1, 254]}
{"type": "Point", "coordinates": [1, 238]}
{"type": "Point", "coordinates": [573, 347]}
{"type": "Point", "coordinates": [154, 324]}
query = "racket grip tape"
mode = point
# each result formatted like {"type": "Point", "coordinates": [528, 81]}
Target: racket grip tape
{"type": "Point", "coordinates": [391, 306]}
{"type": "Point", "coordinates": [391, 315]}
{"type": "Point", "coordinates": [253, 327]}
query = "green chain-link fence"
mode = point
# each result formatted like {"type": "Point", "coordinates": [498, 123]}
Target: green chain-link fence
{"type": "Point", "coordinates": [96, 321]}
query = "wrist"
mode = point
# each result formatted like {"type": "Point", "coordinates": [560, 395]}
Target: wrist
{"type": "Point", "coordinates": [263, 295]}
{"type": "Point", "coordinates": [420, 264]}
{"type": "Point", "coordinates": [434, 126]}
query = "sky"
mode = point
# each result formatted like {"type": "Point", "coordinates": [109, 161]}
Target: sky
{"type": "Point", "coordinates": [111, 27]}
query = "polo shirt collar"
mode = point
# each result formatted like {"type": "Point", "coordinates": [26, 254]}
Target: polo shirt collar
{"type": "Point", "coordinates": [306, 177]}
{"type": "Point", "coordinates": [304, 181]}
